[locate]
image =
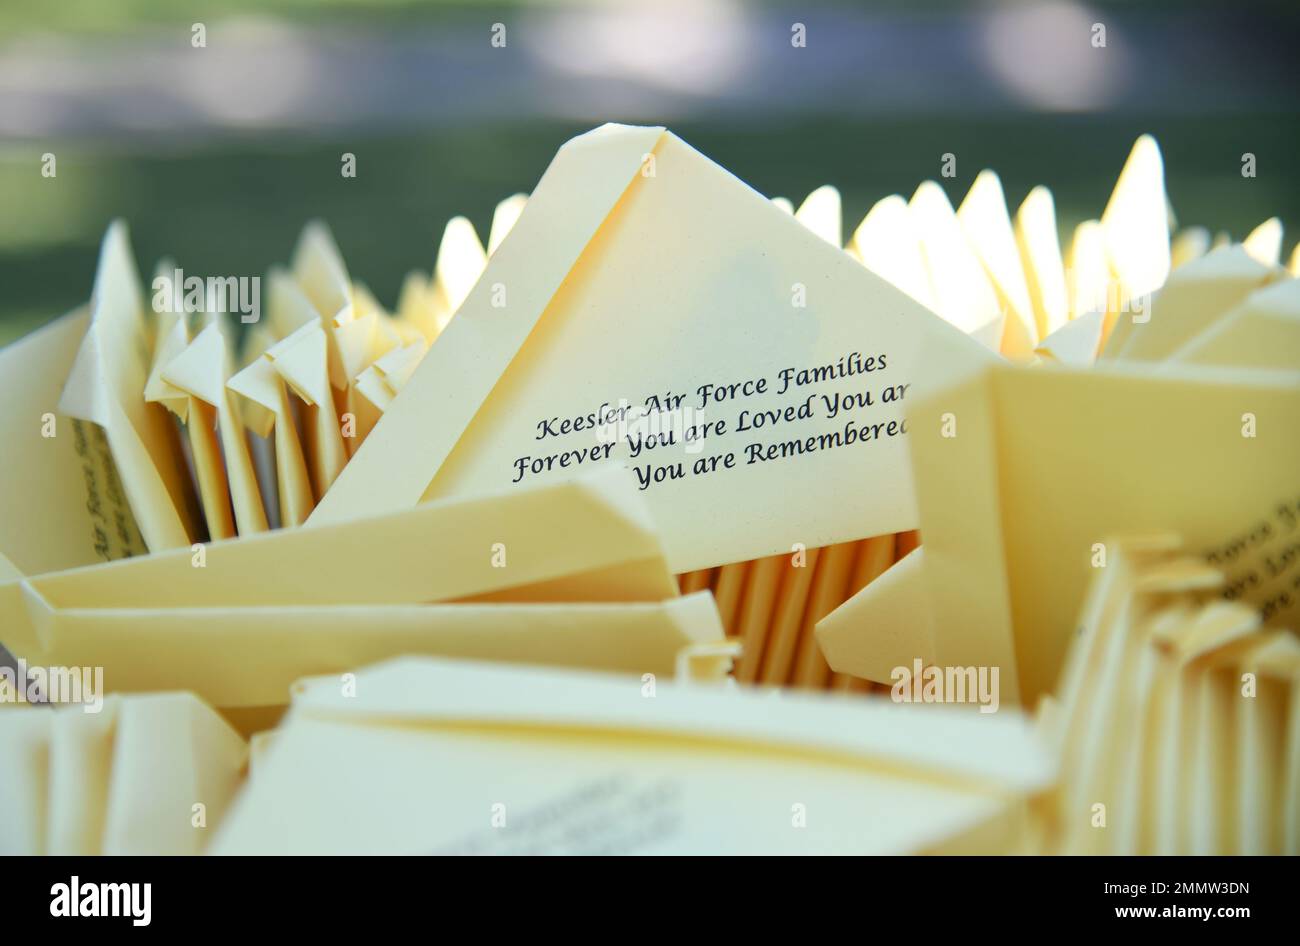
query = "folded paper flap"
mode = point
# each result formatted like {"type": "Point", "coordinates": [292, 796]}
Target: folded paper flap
{"type": "Point", "coordinates": [1260, 652]}
{"type": "Point", "coordinates": [200, 369]}
{"type": "Point", "coordinates": [301, 358]}
{"type": "Point", "coordinates": [680, 311]}
{"type": "Point", "coordinates": [172, 340]}
{"type": "Point", "coordinates": [964, 512]}
{"type": "Point", "coordinates": [1277, 656]}
{"type": "Point", "coordinates": [84, 394]}
{"type": "Point", "coordinates": [884, 626]}
{"type": "Point", "coordinates": [600, 166]}
{"type": "Point", "coordinates": [260, 569]}
{"type": "Point", "coordinates": [1218, 625]}
{"type": "Point", "coordinates": [1136, 221]}
{"type": "Point", "coordinates": [998, 752]}
{"type": "Point", "coordinates": [1076, 342]}
{"type": "Point", "coordinates": [46, 523]}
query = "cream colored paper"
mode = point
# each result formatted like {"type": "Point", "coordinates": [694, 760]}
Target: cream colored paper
{"type": "Point", "coordinates": [452, 550]}
{"type": "Point", "coordinates": [201, 371]}
{"type": "Point", "coordinates": [1079, 448]}
{"type": "Point", "coordinates": [151, 774]}
{"type": "Point", "coordinates": [63, 505]}
{"type": "Point", "coordinates": [578, 252]}
{"type": "Point", "coordinates": [207, 650]}
{"type": "Point", "coordinates": [497, 760]}
{"type": "Point", "coordinates": [105, 386]}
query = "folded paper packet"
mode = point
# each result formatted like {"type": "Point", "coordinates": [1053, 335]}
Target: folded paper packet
{"type": "Point", "coordinates": [773, 366]}
{"type": "Point", "coordinates": [454, 757]}
{"type": "Point", "coordinates": [246, 658]}
{"type": "Point", "coordinates": [1003, 284]}
{"type": "Point", "coordinates": [105, 386]}
{"type": "Point", "coordinates": [103, 471]}
{"type": "Point", "coordinates": [1206, 449]}
{"type": "Point", "coordinates": [743, 385]}
{"type": "Point", "coordinates": [238, 621]}
{"type": "Point", "coordinates": [145, 774]}
{"type": "Point", "coordinates": [1178, 717]}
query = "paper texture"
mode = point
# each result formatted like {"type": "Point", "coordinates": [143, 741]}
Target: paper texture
{"type": "Point", "coordinates": [147, 775]}
{"type": "Point", "coordinates": [565, 762]}
{"type": "Point", "coordinates": [577, 264]}
{"type": "Point", "coordinates": [104, 387]}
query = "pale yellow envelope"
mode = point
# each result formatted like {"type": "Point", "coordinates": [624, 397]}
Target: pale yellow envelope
{"type": "Point", "coordinates": [1193, 298]}
{"type": "Point", "coordinates": [1264, 243]}
{"type": "Point", "coordinates": [105, 386]}
{"type": "Point", "coordinates": [244, 658]}
{"type": "Point", "coordinates": [1210, 453]}
{"type": "Point", "coordinates": [201, 370]}
{"type": "Point", "coordinates": [493, 547]}
{"type": "Point", "coordinates": [321, 275]}
{"type": "Point", "coordinates": [1263, 331]}
{"type": "Point", "coordinates": [302, 360]}
{"type": "Point", "coordinates": [151, 774]}
{"type": "Point", "coordinates": [1135, 225]}
{"type": "Point", "coordinates": [734, 290]}
{"type": "Point", "coordinates": [887, 243]}
{"type": "Point", "coordinates": [987, 224]}
{"type": "Point", "coordinates": [1040, 253]}
{"type": "Point", "coordinates": [1163, 748]}
{"type": "Point", "coordinates": [961, 289]}
{"type": "Point", "coordinates": [268, 412]}
{"type": "Point", "coordinates": [456, 757]}
{"type": "Point", "coordinates": [504, 218]}
{"type": "Point", "coordinates": [63, 504]}
{"type": "Point", "coordinates": [822, 213]}
{"type": "Point", "coordinates": [900, 624]}
{"type": "Point", "coordinates": [1077, 342]}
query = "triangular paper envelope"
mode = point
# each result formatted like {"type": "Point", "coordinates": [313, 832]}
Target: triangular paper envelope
{"type": "Point", "coordinates": [987, 224]}
{"type": "Point", "coordinates": [496, 759]}
{"type": "Point", "coordinates": [201, 371]}
{"type": "Point", "coordinates": [1135, 223]}
{"type": "Point", "coordinates": [640, 272]}
{"type": "Point", "coordinates": [494, 546]}
{"type": "Point", "coordinates": [1193, 298]}
{"type": "Point", "coordinates": [1040, 252]}
{"type": "Point", "coordinates": [63, 504]}
{"type": "Point", "coordinates": [894, 632]}
{"type": "Point", "coordinates": [105, 386]}
{"type": "Point", "coordinates": [961, 289]}
{"type": "Point", "coordinates": [1264, 243]}
{"type": "Point", "coordinates": [302, 360]}
{"type": "Point", "coordinates": [206, 650]}
{"type": "Point", "coordinates": [888, 244]}
{"type": "Point", "coordinates": [1262, 332]}
{"type": "Point", "coordinates": [263, 387]}
{"type": "Point", "coordinates": [504, 218]}
{"type": "Point", "coordinates": [1076, 342]}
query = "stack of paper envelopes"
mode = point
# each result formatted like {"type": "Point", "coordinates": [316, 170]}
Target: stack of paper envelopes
{"type": "Point", "coordinates": [146, 774]}
{"type": "Point", "coordinates": [239, 621]}
{"type": "Point", "coordinates": [654, 421]}
{"type": "Point", "coordinates": [1023, 473]}
{"type": "Point", "coordinates": [1178, 719]}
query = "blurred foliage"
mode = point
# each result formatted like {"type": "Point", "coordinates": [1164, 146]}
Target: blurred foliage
{"type": "Point", "coordinates": [107, 16]}
{"type": "Point", "coordinates": [236, 205]}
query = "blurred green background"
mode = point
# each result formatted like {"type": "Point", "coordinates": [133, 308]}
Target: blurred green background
{"type": "Point", "coordinates": [216, 156]}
